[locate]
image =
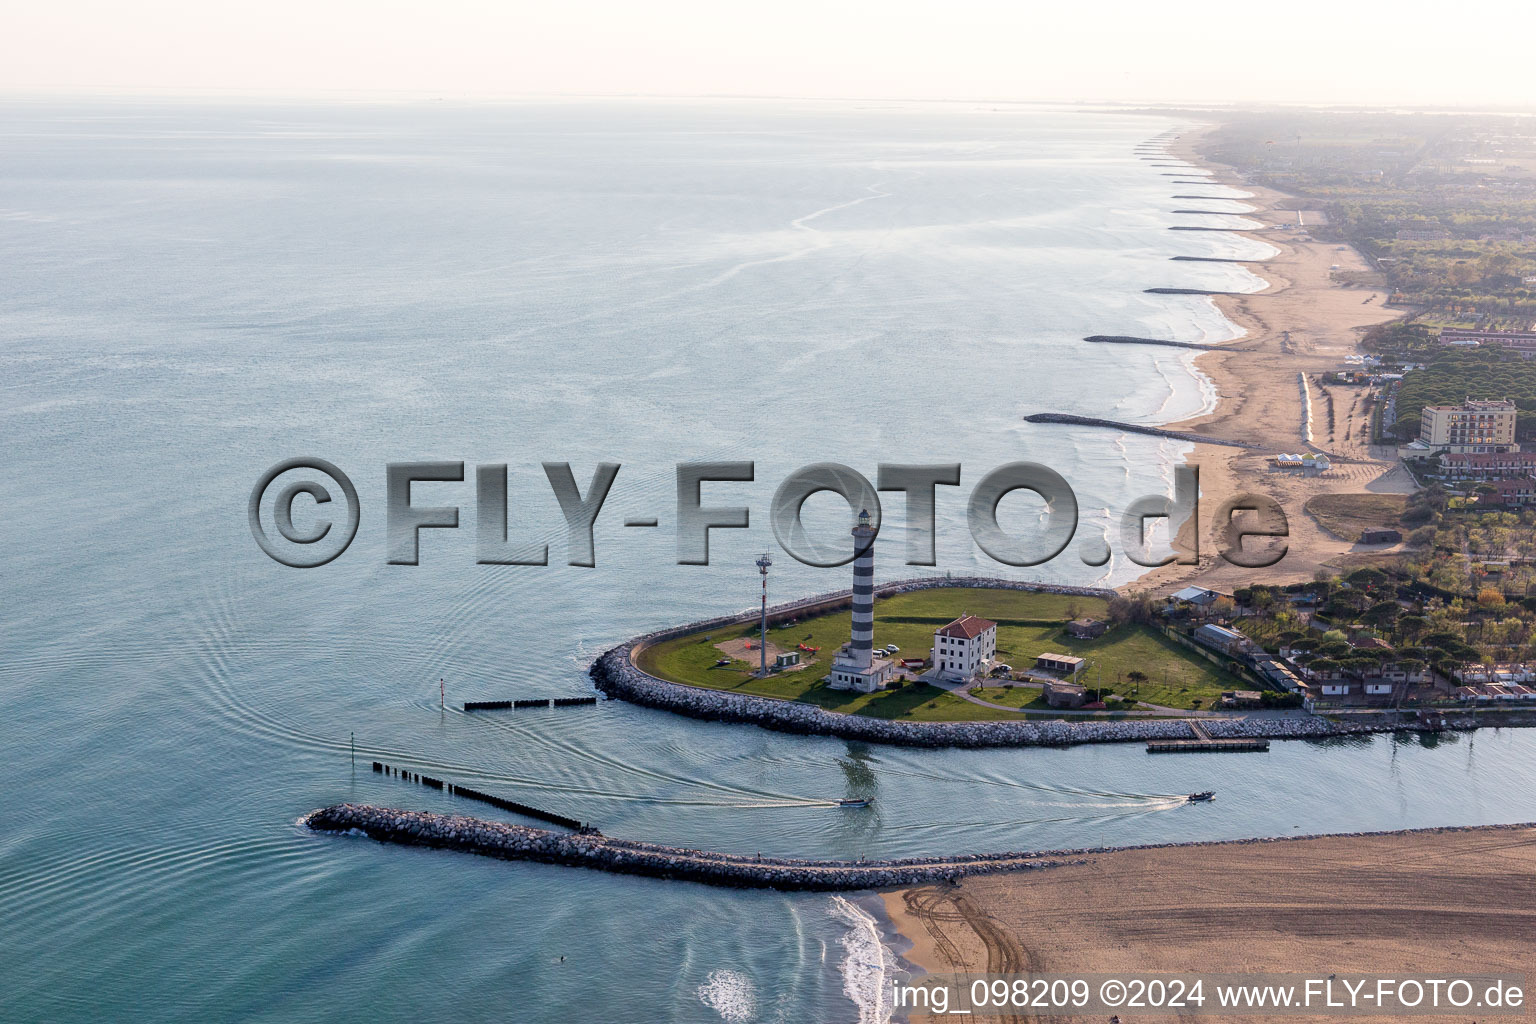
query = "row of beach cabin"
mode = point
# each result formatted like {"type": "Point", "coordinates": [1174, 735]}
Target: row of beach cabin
{"type": "Point", "coordinates": [1316, 463]}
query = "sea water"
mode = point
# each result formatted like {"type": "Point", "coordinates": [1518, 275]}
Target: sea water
{"type": "Point", "coordinates": [192, 292]}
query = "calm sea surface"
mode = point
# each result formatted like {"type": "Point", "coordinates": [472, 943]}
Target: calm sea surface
{"type": "Point", "coordinates": [190, 293]}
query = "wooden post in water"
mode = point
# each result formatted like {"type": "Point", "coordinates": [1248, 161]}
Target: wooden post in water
{"type": "Point", "coordinates": [442, 695]}
{"type": "Point", "coordinates": [353, 742]}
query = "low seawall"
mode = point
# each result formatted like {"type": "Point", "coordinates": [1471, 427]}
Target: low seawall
{"type": "Point", "coordinates": [616, 674]}
{"type": "Point", "coordinates": [593, 850]}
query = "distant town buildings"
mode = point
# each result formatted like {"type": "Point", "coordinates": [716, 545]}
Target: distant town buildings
{"type": "Point", "coordinates": [1475, 425]}
{"type": "Point", "coordinates": [1501, 682]}
{"type": "Point", "coordinates": [1066, 664]}
{"type": "Point", "coordinates": [1195, 601]}
{"type": "Point", "coordinates": [964, 649]}
{"type": "Point", "coordinates": [1086, 629]}
{"type": "Point", "coordinates": [1514, 492]}
{"type": "Point", "coordinates": [1484, 466]}
{"type": "Point", "coordinates": [1523, 342]}
{"type": "Point", "coordinates": [1276, 672]}
{"type": "Point", "coordinates": [1220, 638]}
{"type": "Point", "coordinates": [1060, 694]}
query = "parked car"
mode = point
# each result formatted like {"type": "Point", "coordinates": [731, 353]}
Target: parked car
{"type": "Point", "coordinates": [892, 649]}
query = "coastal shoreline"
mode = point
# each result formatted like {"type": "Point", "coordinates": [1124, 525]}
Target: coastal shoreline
{"type": "Point", "coordinates": [1302, 322]}
{"type": "Point", "coordinates": [1224, 900]}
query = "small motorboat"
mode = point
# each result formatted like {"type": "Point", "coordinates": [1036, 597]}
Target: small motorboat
{"type": "Point", "coordinates": [1199, 798]}
{"type": "Point", "coordinates": [860, 801]}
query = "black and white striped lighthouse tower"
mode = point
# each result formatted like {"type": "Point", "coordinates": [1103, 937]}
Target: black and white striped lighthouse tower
{"type": "Point", "coordinates": [863, 638]}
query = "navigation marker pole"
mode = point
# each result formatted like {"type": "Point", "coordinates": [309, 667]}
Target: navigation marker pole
{"type": "Point", "coordinates": [762, 566]}
{"type": "Point", "coordinates": [353, 743]}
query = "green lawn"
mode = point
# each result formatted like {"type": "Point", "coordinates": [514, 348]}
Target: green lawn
{"type": "Point", "coordinates": [1028, 624]}
{"type": "Point", "coordinates": [1177, 677]}
{"type": "Point", "coordinates": [1019, 696]}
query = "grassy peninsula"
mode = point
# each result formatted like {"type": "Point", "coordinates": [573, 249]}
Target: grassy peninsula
{"type": "Point", "coordinates": [1028, 624]}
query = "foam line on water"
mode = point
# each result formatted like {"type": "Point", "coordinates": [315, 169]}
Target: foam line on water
{"type": "Point", "coordinates": [866, 962]}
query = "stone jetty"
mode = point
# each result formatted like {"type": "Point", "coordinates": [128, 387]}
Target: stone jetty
{"type": "Point", "coordinates": [1192, 291]}
{"type": "Point", "coordinates": [1137, 428]}
{"type": "Point", "coordinates": [591, 849]}
{"type": "Point", "coordinates": [616, 674]}
{"type": "Point", "coordinates": [1127, 339]}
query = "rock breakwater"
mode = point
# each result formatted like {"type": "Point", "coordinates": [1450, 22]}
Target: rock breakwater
{"type": "Point", "coordinates": [599, 852]}
{"type": "Point", "coordinates": [593, 850]}
{"type": "Point", "coordinates": [1137, 428]}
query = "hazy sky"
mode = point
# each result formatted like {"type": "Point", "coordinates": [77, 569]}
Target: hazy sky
{"type": "Point", "coordinates": [1315, 51]}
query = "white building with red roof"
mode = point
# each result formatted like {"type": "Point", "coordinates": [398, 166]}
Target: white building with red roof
{"type": "Point", "coordinates": [964, 649]}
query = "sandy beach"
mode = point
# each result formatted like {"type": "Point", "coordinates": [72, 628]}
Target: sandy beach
{"type": "Point", "coordinates": [1425, 902]}
{"type": "Point", "coordinates": [1303, 323]}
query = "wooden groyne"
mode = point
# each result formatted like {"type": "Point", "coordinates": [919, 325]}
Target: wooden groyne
{"type": "Point", "coordinates": [1212, 259]}
{"type": "Point", "coordinates": [601, 853]}
{"type": "Point", "coordinates": [1136, 428]}
{"type": "Point", "coordinates": [453, 789]}
{"type": "Point", "coordinates": [1199, 227]}
{"type": "Point", "coordinates": [1216, 213]}
{"type": "Point", "coordinates": [1224, 199]}
{"type": "Point", "coordinates": [1124, 339]}
{"type": "Point", "coordinates": [534, 702]}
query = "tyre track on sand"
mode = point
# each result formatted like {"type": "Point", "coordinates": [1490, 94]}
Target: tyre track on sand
{"type": "Point", "coordinates": [935, 906]}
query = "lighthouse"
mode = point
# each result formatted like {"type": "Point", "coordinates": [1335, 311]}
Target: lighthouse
{"type": "Point", "coordinates": [862, 641]}
{"type": "Point", "coordinates": [857, 666]}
